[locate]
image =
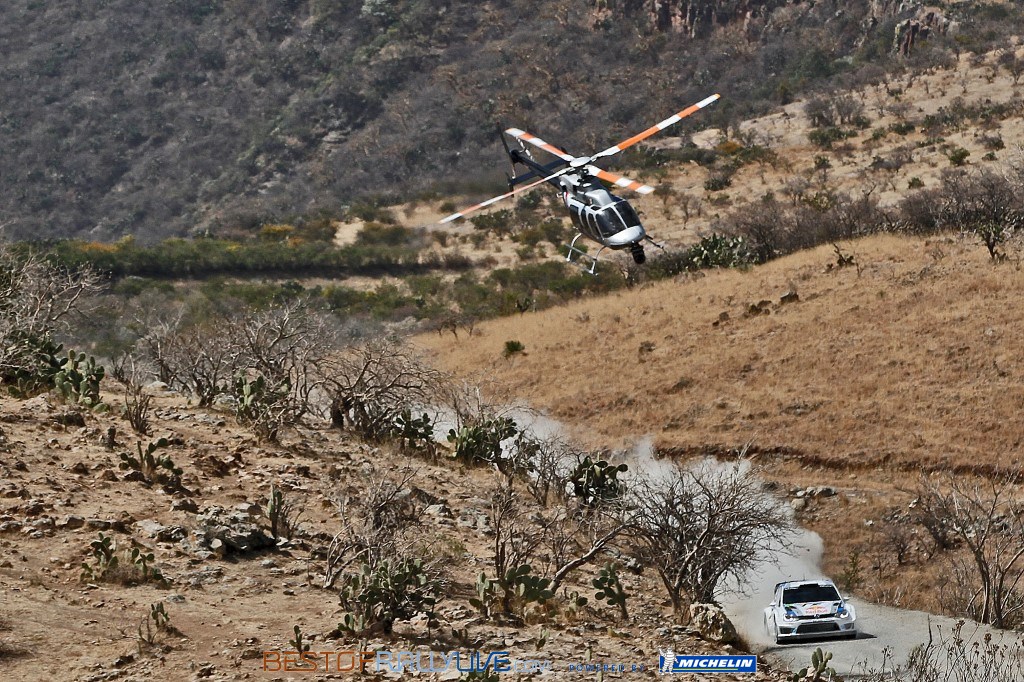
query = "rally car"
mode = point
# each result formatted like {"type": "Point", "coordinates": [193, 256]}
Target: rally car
{"type": "Point", "coordinates": [809, 608]}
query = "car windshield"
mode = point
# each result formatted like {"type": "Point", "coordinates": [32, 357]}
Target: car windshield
{"type": "Point", "coordinates": [809, 593]}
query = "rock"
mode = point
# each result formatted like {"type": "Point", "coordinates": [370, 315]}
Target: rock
{"type": "Point", "coordinates": [134, 476]}
{"type": "Point", "coordinates": [249, 508]}
{"type": "Point", "coordinates": [157, 387]}
{"type": "Point", "coordinates": [186, 504]}
{"type": "Point", "coordinates": [80, 469]}
{"type": "Point", "coordinates": [107, 475]}
{"type": "Point", "coordinates": [98, 524]}
{"type": "Point", "coordinates": [70, 418]}
{"type": "Point", "coordinates": [799, 504]}
{"type": "Point", "coordinates": [44, 523]}
{"type": "Point", "coordinates": [438, 510]}
{"type": "Point", "coordinates": [712, 624]}
{"type": "Point", "coordinates": [71, 522]}
{"type": "Point", "coordinates": [234, 530]}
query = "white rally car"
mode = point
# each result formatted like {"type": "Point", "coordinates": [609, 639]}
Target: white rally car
{"type": "Point", "coordinates": [809, 608]}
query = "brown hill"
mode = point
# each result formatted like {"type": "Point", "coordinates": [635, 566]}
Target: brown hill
{"type": "Point", "coordinates": [910, 357]}
{"type": "Point", "coordinates": [859, 378]}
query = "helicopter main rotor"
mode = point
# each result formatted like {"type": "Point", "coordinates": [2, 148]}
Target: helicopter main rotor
{"type": "Point", "coordinates": [585, 163]}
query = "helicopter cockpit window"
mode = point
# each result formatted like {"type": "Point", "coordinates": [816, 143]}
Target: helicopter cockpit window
{"type": "Point", "coordinates": [627, 214]}
{"type": "Point", "coordinates": [610, 222]}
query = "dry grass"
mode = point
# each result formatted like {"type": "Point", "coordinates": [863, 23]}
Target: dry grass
{"type": "Point", "coordinates": [913, 364]}
{"type": "Point", "coordinates": [914, 361]}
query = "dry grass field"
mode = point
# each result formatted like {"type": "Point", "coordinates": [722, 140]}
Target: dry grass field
{"type": "Point", "coordinates": [910, 359]}
{"type": "Point", "coordinates": [908, 362]}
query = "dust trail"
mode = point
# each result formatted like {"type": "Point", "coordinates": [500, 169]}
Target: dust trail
{"type": "Point", "coordinates": [746, 607]}
{"type": "Point", "coordinates": [744, 600]}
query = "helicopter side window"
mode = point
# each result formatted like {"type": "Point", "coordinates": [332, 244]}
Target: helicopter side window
{"type": "Point", "coordinates": [593, 223]}
{"type": "Point", "coordinates": [577, 219]}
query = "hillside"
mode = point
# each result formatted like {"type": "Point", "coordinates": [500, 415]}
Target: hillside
{"type": "Point", "coordinates": [232, 591]}
{"type": "Point", "coordinates": [859, 377]}
{"type": "Point", "coordinates": [912, 356]}
{"type": "Point", "coordinates": [119, 119]}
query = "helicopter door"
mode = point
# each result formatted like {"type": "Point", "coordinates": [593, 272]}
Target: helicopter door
{"type": "Point", "coordinates": [593, 224]}
{"type": "Point", "coordinates": [574, 214]}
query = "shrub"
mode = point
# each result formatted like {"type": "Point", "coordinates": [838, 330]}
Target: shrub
{"type": "Point", "coordinates": [393, 590]}
{"type": "Point", "coordinates": [717, 182]}
{"type": "Point", "coordinates": [512, 348]}
{"type": "Point", "coordinates": [824, 138]}
{"type": "Point", "coordinates": [958, 156]}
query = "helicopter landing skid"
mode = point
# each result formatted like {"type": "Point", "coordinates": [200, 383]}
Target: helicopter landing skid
{"type": "Point", "coordinates": [659, 245]}
{"type": "Point", "coordinates": [582, 257]}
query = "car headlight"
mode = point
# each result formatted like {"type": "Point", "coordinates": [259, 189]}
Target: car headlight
{"type": "Point", "coordinates": [790, 614]}
{"type": "Point", "coordinates": [843, 612]}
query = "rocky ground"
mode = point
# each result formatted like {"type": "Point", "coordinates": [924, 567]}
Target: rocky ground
{"type": "Point", "coordinates": [231, 591]}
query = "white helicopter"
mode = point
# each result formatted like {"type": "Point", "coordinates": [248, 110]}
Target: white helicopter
{"type": "Point", "coordinates": [595, 212]}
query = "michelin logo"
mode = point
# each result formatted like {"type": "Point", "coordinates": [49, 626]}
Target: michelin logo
{"type": "Point", "coordinates": [669, 663]}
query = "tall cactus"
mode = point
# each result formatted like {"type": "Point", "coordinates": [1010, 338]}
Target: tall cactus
{"type": "Point", "coordinates": [819, 669]}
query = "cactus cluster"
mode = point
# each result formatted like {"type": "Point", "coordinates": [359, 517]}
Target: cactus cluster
{"type": "Point", "coordinates": [512, 592]}
{"type": "Point", "coordinates": [153, 469]}
{"type": "Point", "coordinates": [78, 381]}
{"type": "Point", "coordinates": [819, 669]}
{"type": "Point", "coordinates": [414, 434]}
{"type": "Point", "coordinates": [377, 596]}
{"type": "Point", "coordinates": [481, 442]}
{"type": "Point", "coordinates": [103, 550]}
{"type": "Point", "coordinates": [610, 590]}
{"type": "Point", "coordinates": [594, 483]}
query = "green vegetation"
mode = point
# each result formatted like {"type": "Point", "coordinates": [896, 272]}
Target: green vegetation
{"type": "Point", "coordinates": [376, 597]}
{"type": "Point", "coordinates": [511, 593]}
{"type": "Point", "coordinates": [154, 469]}
{"type": "Point", "coordinates": [392, 251]}
{"type": "Point", "coordinates": [610, 590]}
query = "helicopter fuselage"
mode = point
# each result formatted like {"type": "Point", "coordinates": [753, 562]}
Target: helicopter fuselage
{"type": "Point", "coordinates": [595, 212]}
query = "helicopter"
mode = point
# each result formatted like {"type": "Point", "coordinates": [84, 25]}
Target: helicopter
{"type": "Point", "coordinates": [595, 212]}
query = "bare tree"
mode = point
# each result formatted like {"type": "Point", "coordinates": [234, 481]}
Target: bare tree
{"type": "Point", "coordinates": [371, 385]}
{"type": "Point", "coordinates": [374, 524]}
{"type": "Point", "coordinates": [36, 298]}
{"type": "Point", "coordinates": [200, 359]}
{"type": "Point", "coordinates": [988, 522]}
{"type": "Point", "coordinates": [700, 524]}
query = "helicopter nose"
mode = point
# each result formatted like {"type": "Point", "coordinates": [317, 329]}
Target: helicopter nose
{"type": "Point", "coordinates": [630, 235]}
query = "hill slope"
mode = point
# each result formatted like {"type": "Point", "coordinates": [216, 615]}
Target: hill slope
{"type": "Point", "coordinates": [123, 119]}
{"type": "Point", "coordinates": [913, 356]}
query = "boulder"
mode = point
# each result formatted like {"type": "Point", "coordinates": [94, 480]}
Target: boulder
{"type": "Point", "coordinates": [234, 530]}
{"type": "Point", "coordinates": [712, 624]}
